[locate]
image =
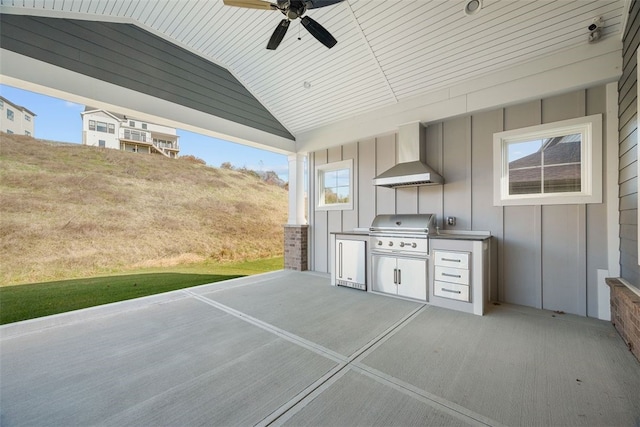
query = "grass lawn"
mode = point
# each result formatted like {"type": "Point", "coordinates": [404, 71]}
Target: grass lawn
{"type": "Point", "coordinates": [28, 301]}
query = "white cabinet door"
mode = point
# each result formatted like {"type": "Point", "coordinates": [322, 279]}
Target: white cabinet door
{"type": "Point", "coordinates": [412, 278]}
{"type": "Point", "coordinates": [384, 273]}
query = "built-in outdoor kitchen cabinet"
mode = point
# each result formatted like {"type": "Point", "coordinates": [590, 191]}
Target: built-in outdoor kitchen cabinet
{"type": "Point", "coordinates": [451, 275]}
{"type": "Point", "coordinates": [401, 276]}
{"type": "Point", "coordinates": [461, 272]}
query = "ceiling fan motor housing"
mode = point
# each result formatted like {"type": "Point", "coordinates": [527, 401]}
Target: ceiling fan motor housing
{"type": "Point", "coordinates": [292, 9]}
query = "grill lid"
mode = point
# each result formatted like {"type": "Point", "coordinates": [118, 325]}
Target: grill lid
{"type": "Point", "coordinates": [406, 223]}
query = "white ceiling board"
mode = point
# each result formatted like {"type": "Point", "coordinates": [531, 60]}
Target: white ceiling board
{"type": "Point", "coordinates": [582, 68]}
{"type": "Point", "coordinates": [388, 51]}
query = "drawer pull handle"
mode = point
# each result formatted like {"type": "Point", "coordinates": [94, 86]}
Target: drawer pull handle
{"type": "Point", "coordinates": [450, 290]}
{"type": "Point", "coordinates": [451, 275]}
{"type": "Point", "coordinates": [451, 260]}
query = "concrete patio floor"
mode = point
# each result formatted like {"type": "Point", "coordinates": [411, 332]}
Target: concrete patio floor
{"type": "Point", "coordinates": [285, 348]}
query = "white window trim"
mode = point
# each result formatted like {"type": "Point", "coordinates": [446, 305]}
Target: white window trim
{"type": "Point", "coordinates": [590, 157]}
{"type": "Point", "coordinates": [329, 167]}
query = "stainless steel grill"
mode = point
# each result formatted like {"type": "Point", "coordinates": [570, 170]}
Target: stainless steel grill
{"type": "Point", "coordinates": [400, 253]}
{"type": "Point", "coordinates": [402, 234]}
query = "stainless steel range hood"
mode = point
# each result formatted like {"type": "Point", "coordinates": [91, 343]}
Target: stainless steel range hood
{"type": "Point", "coordinates": [412, 170]}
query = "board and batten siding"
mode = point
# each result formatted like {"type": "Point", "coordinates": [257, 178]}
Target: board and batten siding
{"type": "Point", "coordinates": [628, 162]}
{"type": "Point", "coordinates": [543, 256]}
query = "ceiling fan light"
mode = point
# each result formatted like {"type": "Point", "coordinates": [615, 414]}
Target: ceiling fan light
{"type": "Point", "coordinates": [472, 7]}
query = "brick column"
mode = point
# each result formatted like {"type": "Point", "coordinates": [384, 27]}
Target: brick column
{"type": "Point", "coordinates": [296, 241]}
{"type": "Point", "coordinates": [625, 314]}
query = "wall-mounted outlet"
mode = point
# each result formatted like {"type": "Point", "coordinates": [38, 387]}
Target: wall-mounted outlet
{"type": "Point", "coordinates": [451, 220]}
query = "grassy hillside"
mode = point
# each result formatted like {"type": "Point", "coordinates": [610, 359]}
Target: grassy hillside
{"type": "Point", "coordinates": [73, 211]}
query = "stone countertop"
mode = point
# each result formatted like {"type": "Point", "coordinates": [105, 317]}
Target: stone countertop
{"type": "Point", "coordinates": [444, 235]}
{"type": "Point", "coordinates": [461, 235]}
{"type": "Point", "coordinates": [356, 232]}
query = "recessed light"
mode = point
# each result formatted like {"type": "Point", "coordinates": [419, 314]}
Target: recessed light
{"type": "Point", "coordinates": [306, 85]}
{"type": "Point", "coordinates": [472, 7]}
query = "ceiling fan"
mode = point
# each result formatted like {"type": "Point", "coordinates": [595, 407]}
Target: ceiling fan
{"type": "Point", "coordinates": [292, 9]}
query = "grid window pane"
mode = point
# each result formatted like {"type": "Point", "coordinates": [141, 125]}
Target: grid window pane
{"type": "Point", "coordinates": [525, 163]}
{"type": "Point", "coordinates": [342, 194]}
{"type": "Point", "coordinates": [342, 177]}
{"type": "Point", "coordinates": [562, 167]}
{"type": "Point", "coordinates": [336, 186]}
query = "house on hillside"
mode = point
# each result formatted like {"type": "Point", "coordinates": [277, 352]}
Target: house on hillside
{"type": "Point", "coordinates": [102, 128]}
{"type": "Point", "coordinates": [15, 118]}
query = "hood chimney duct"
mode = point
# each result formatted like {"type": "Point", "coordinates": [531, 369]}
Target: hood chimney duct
{"type": "Point", "coordinates": [412, 169]}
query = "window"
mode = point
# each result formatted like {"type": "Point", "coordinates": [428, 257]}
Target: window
{"type": "Point", "coordinates": [1, 104]}
{"type": "Point", "coordinates": [144, 125]}
{"type": "Point", "coordinates": [92, 125]}
{"type": "Point", "coordinates": [27, 117]}
{"type": "Point", "coordinates": [101, 143]}
{"type": "Point", "coordinates": [554, 163]}
{"type": "Point", "coordinates": [26, 132]}
{"type": "Point", "coordinates": [335, 186]}
{"type": "Point", "coordinates": [101, 126]}
{"type": "Point", "coordinates": [9, 131]}
{"type": "Point", "coordinates": [112, 128]}
{"type": "Point", "coordinates": [10, 114]}
{"type": "Point", "coordinates": [132, 123]}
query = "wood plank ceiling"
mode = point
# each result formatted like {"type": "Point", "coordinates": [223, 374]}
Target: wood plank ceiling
{"type": "Point", "coordinates": [387, 51]}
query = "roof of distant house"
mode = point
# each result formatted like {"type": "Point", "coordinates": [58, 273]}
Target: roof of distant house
{"type": "Point", "coordinates": [19, 107]}
{"type": "Point", "coordinates": [563, 153]}
{"type": "Point", "coordinates": [116, 115]}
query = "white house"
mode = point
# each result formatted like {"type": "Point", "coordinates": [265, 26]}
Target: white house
{"type": "Point", "coordinates": [101, 128]}
{"type": "Point", "coordinates": [16, 119]}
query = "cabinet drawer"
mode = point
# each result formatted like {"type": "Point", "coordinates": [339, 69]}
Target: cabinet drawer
{"type": "Point", "coordinates": [453, 275]}
{"type": "Point", "coordinates": [452, 259]}
{"type": "Point", "coordinates": [451, 290]}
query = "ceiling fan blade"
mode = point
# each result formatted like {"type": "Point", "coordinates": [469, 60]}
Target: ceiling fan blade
{"type": "Point", "coordinates": [319, 32]}
{"type": "Point", "coordinates": [315, 4]}
{"type": "Point", "coordinates": [251, 4]}
{"type": "Point", "coordinates": [278, 34]}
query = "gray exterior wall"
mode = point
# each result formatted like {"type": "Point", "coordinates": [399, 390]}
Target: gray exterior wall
{"type": "Point", "coordinates": [130, 57]}
{"type": "Point", "coordinates": [544, 256]}
{"type": "Point", "coordinates": [628, 164]}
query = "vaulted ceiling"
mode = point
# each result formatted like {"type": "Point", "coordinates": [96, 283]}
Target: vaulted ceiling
{"type": "Point", "coordinates": [388, 51]}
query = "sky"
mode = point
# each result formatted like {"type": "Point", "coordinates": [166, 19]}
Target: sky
{"type": "Point", "coordinates": [59, 120]}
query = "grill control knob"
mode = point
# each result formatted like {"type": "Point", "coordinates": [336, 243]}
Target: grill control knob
{"type": "Point", "coordinates": [402, 244]}
{"type": "Point", "coordinates": [390, 243]}
{"type": "Point", "coordinates": [414, 245]}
